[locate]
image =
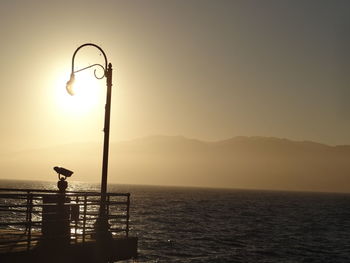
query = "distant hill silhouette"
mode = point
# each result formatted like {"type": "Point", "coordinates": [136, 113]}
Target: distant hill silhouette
{"type": "Point", "coordinates": [239, 162]}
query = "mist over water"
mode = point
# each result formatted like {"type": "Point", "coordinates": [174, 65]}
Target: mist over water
{"type": "Point", "coordinates": [215, 225]}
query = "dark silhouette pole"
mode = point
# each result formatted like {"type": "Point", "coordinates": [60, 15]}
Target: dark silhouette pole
{"type": "Point", "coordinates": [102, 222]}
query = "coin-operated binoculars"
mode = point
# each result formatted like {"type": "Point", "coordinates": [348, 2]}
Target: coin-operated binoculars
{"type": "Point", "coordinates": [63, 173]}
{"type": "Point", "coordinates": [56, 214]}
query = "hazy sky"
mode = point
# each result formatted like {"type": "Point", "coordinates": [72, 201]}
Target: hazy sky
{"type": "Point", "coordinates": [203, 69]}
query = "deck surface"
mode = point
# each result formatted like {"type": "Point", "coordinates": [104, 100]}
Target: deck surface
{"type": "Point", "coordinates": [15, 247]}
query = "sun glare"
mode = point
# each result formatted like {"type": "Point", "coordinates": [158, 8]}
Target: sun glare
{"type": "Point", "coordinates": [87, 91]}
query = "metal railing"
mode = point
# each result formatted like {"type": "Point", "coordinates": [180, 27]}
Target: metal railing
{"type": "Point", "coordinates": [29, 217]}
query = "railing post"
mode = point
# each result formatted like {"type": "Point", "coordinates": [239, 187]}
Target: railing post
{"type": "Point", "coordinates": [29, 211]}
{"type": "Point", "coordinates": [84, 217]}
{"type": "Point", "coordinates": [107, 208]}
{"type": "Point", "coordinates": [76, 219]}
{"type": "Point", "coordinates": [127, 215]}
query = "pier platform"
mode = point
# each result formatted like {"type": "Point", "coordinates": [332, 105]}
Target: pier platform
{"type": "Point", "coordinates": [47, 226]}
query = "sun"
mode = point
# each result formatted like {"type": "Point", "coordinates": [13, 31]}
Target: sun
{"type": "Point", "coordinates": [88, 92]}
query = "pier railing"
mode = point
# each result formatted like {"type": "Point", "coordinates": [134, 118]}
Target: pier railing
{"type": "Point", "coordinates": [29, 217]}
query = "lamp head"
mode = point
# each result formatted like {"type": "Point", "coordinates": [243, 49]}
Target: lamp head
{"type": "Point", "coordinates": [70, 84]}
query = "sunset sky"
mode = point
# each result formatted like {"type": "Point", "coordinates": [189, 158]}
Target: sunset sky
{"type": "Point", "coordinates": [203, 69]}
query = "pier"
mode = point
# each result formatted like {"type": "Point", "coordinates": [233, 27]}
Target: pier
{"type": "Point", "coordinates": [51, 226]}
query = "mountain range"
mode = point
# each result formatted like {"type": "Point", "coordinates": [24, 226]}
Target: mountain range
{"type": "Point", "coordinates": [239, 162]}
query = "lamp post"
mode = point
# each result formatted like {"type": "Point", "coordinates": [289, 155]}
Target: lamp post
{"type": "Point", "coordinates": [102, 222]}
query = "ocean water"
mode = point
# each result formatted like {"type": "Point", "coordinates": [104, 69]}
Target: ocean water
{"type": "Point", "coordinates": [215, 225]}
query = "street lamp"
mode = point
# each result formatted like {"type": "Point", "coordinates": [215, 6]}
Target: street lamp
{"type": "Point", "coordinates": [102, 222]}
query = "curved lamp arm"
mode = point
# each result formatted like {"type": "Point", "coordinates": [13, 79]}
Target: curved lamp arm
{"type": "Point", "coordinates": [94, 65]}
{"type": "Point", "coordinates": [70, 82]}
{"type": "Point", "coordinates": [93, 45]}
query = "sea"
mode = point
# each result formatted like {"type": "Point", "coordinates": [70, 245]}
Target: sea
{"type": "Point", "coordinates": [175, 224]}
